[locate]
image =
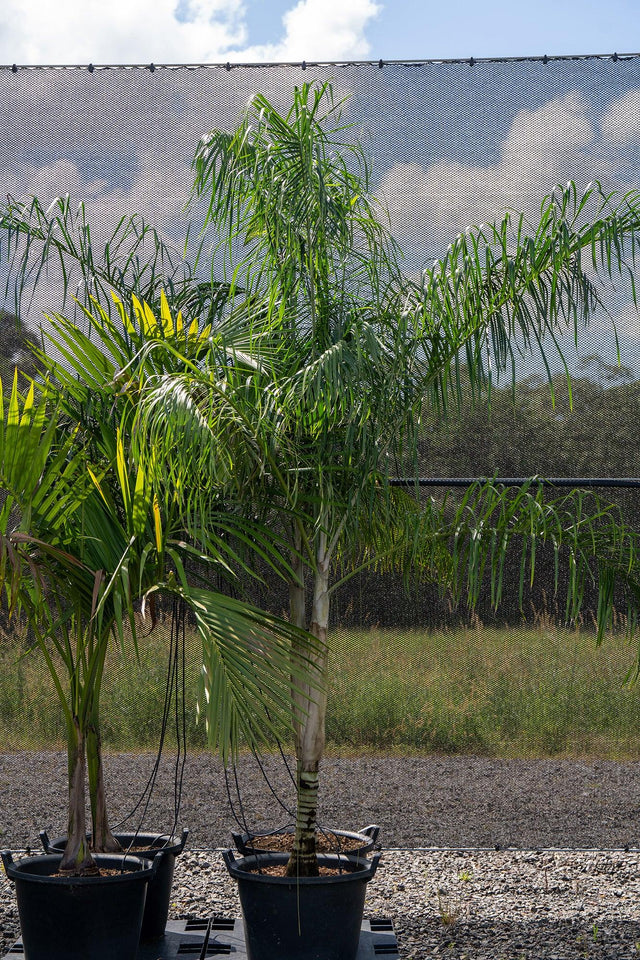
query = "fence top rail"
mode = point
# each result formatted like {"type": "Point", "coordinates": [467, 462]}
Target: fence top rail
{"type": "Point", "coordinates": [303, 64]}
{"type": "Point", "coordinates": [573, 482]}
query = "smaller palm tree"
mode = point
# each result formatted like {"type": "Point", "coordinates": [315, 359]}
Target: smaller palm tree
{"type": "Point", "coordinates": [86, 534]}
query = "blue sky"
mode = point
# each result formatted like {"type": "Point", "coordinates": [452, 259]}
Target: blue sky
{"type": "Point", "coordinates": [139, 31]}
{"type": "Point", "coordinates": [413, 29]}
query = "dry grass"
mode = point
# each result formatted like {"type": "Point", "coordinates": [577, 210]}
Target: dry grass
{"type": "Point", "coordinates": [522, 692]}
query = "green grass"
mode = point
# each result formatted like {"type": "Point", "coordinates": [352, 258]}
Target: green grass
{"type": "Point", "coordinates": [506, 693]}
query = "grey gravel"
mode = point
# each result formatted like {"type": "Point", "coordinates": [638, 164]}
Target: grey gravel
{"type": "Point", "coordinates": [464, 905]}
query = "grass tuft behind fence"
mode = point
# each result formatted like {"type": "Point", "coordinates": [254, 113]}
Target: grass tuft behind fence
{"type": "Point", "coordinates": [523, 692]}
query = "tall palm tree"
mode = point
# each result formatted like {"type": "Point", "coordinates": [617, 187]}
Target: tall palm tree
{"type": "Point", "coordinates": [346, 350]}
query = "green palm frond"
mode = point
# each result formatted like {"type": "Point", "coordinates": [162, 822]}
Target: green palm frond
{"type": "Point", "coordinates": [247, 669]}
{"type": "Point", "coordinates": [503, 286]}
{"type": "Point", "coordinates": [37, 238]}
{"type": "Point", "coordinates": [587, 536]}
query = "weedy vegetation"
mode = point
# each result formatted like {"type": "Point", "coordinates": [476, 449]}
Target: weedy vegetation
{"type": "Point", "coordinates": [509, 692]}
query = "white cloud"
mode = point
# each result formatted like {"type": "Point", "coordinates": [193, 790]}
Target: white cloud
{"type": "Point", "coordinates": [543, 148]}
{"type": "Point", "coordinates": [321, 30]}
{"type": "Point", "coordinates": [157, 194]}
{"type": "Point", "coordinates": [141, 31]}
{"type": "Point", "coordinates": [621, 122]}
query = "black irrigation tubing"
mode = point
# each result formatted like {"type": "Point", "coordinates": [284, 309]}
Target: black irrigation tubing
{"type": "Point", "coordinates": [173, 678]}
{"type": "Point", "coordinates": [303, 64]}
{"type": "Point", "coordinates": [627, 483]}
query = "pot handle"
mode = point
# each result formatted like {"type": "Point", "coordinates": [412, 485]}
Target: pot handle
{"type": "Point", "coordinates": [148, 864]}
{"type": "Point", "coordinates": [375, 860]}
{"type": "Point", "coordinates": [228, 857]}
{"type": "Point", "coordinates": [371, 831]}
{"type": "Point", "coordinates": [7, 860]}
{"type": "Point", "coordinates": [238, 839]}
{"type": "Point", "coordinates": [44, 840]}
{"type": "Point", "coordinates": [183, 839]}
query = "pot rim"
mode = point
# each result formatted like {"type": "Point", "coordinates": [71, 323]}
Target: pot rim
{"type": "Point", "coordinates": [136, 868]}
{"type": "Point", "coordinates": [369, 833]}
{"type": "Point", "coordinates": [175, 842]}
{"type": "Point", "coordinates": [241, 868]}
{"type": "Point", "coordinates": [366, 836]}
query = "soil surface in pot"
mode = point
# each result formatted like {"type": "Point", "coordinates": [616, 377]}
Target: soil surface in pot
{"type": "Point", "coordinates": [326, 842]}
{"type": "Point", "coordinates": [136, 848]}
{"type": "Point", "coordinates": [68, 875]}
{"type": "Point", "coordinates": [280, 870]}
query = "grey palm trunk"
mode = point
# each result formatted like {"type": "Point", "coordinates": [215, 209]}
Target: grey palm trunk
{"type": "Point", "coordinates": [310, 707]}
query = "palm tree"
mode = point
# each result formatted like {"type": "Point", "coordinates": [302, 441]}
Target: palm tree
{"type": "Point", "coordinates": [325, 358]}
{"type": "Point", "coordinates": [85, 534]}
{"type": "Point", "coordinates": [346, 351]}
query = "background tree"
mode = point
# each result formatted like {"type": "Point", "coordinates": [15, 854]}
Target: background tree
{"type": "Point", "coordinates": [15, 351]}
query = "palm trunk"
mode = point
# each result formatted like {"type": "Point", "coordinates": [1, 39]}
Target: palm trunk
{"type": "Point", "coordinates": [76, 858]}
{"type": "Point", "coordinates": [102, 840]}
{"type": "Point", "coordinates": [310, 734]}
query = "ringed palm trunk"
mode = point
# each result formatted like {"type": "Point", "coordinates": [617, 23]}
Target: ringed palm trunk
{"type": "Point", "coordinates": [310, 711]}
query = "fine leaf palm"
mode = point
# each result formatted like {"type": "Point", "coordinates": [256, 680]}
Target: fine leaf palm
{"type": "Point", "coordinates": [355, 348]}
{"type": "Point", "coordinates": [38, 239]}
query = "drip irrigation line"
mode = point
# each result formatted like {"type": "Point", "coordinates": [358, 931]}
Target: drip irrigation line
{"type": "Point", "coordinates": [163, 727]}
{"type": "Point", "coordinates": [498, 848]}
{"type": "Point", "coordinates": [177, 659]}
{"type": "Point", "coordinates": [270, 785]}
{"type": "Point", "coordinates": [625, 483]}
{"type": "Point", "coordinates": [180, 712]}
{"type": "Point", "coordinates": [282, 755]}
{"type": "Point", "coordinates": [242, 823]}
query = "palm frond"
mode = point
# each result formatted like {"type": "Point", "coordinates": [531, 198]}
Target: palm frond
{"type": "Point", "coordinates": [247, 669]}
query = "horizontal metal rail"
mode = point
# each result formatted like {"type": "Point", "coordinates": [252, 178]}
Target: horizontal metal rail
{"type": "Point", "coordinates": [303, 64]}
{"type": "Point", "coordinates": [627, 483]}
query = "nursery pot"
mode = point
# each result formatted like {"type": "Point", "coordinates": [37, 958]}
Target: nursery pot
{"type": "Point", "coordinates": [301, 918]}
{"type": "Point", "coordinates": [163, 851]}
{"type": "Point", "coordinates": [365, 838]}
{"type": "Point", "coordinates": [77, 918]}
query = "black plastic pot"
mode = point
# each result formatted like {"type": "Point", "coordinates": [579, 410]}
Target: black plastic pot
{"type": "Point", "coordinates": [301, 918]}
{"type": "Point", "coordinates": [367, 837]}
{"type": "Point", "coordinates": [163, 852]}
{"type": "Point", "coordinates": [77, 918]}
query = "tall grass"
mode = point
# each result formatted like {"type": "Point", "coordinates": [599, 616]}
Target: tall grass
{"type": "Point", "coordinates": [498, 692]}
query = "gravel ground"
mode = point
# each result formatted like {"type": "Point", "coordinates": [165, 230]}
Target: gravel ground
{"type": "Point", "coordinates": [464, 905]}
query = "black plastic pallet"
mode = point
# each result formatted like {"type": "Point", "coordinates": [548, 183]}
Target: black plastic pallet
{"type": "Point", "coordinates": [185, 938]}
